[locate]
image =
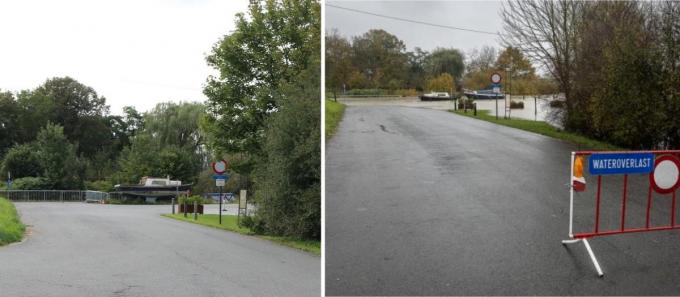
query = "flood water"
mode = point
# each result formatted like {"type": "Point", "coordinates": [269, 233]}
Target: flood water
{"type": "Point", "coordinates": [535, 108]}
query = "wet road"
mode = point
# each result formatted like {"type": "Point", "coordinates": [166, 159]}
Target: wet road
{"type": "Point", "coordinates": [78, 249]}
{"type": "Point", "coordinates": [425, 202]}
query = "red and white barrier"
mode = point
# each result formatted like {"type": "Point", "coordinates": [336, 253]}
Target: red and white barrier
{"type": "Point", "coordinates": [663, 168]}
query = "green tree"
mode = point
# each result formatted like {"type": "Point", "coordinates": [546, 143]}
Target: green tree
{"type": "Point", "coordinates": [445, 60]}
{"type": "Point", "coordinates": [9, 121]}
{"type": "Point", "coordinates": [58, 158]}
{"type": "Point", "coordinates": [339, 66]}
{"type": "Point", "coordinates": [268, 48]}
{"type": "Point", "coordinates": [22, 161]}
{"type": "Point", "coordinates": [288, 181]}
{"type": "Point", "coordinates": [381, 57]}
{"type": "Point", "coordinates": [442, 83]}
{"type": "Point", "coordinates": [170, 143]}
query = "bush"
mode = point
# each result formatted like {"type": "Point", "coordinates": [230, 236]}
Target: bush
{"type": "Point", "coordinates": [406, 92]}
{"type": "Point", "coordinates": [557, 104]}
{"type": "Point", "coordinates": [517, 104]}
{"type": "Point", "coordinates": [99, 185]}
{"type": "Point", "coordinates": [466, 102]}
{"type": "Point", "coordinates": [22, 161]}
{"type": "Point", "coordinates": [32, 183]}
{"type": "Point", "coordinates": [366, 92]}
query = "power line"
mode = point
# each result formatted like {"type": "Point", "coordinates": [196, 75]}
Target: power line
{"type": "Point", "coordinates": [411, 21]}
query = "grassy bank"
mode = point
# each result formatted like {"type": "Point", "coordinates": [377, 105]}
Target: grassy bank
{"type": "Point", "coordinates": [542, 128]}
{"type": "Point", "coordinates": [334, 113]}
{"type": "Point", "coordinates": [11, 228]}
{"type": "Point", "coordinates": [229, 224]}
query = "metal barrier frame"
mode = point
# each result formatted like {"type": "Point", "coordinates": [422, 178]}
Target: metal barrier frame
{"type": "Point", "coordinates": [53, 195]}
{"type": "Point", "coordinates": [583, 237]}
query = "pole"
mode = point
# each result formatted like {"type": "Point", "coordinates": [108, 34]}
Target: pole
{"type": "Point", "coordinates": [173, 205]}
{"type": "Point", "coordinates": [220, 205]}
{"type": "Point", "coordinates": [535, 110]}
{"type": "Point", "coordinates": [496, 107]}
{"type": "Point", "coordinates": [195, 210]}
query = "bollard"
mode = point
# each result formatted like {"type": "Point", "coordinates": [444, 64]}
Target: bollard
{"type": "Point", "coordinates": [173, 205]}
{"type": "Point", "coordinates": [185, 208]}
{"type": "Point", "coordinates": [195, 210]}
{"type": "Point", "coordinates": [474, 105]}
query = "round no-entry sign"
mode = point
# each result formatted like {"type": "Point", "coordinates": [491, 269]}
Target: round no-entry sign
{"type": "Point", "coordinates": [666, 175]}
{"type": "Point", "coordinates": [220, 167]}
{"type": "Point", "coordinates": [495, 78]}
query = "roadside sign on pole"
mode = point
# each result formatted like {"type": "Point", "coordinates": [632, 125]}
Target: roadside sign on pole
{"type": "Point", "coordinates": [220, 167]}
{"type": "Point", "coordinates": [496, 78]}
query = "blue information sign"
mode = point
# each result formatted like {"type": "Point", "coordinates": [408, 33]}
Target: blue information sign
{"type": "Point", "coordinates": [221, 176]}
{"type": "Point", "coordinates": [620, 163]}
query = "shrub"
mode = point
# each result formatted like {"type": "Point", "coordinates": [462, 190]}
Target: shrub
{"type": "Point", "coordinates": [99, 185]}
{"type": "Point", "coordinates": [366, 92]}
{"type": "Point", "coordinates": [517, 104]}
{"type": "Point", "coordinates": [32, 183]}
{"type": "Point", "coordinates": [557, 104]}
{"type": "Point", "coordinates": [406, 92]}
{"type": "Point", "coordinates": [466, 102]}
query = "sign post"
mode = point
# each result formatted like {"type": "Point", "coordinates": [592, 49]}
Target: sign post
{"type": "Point", "coordinates": [496, 80]}
{"type": "Point", "coordinates": [242, 205]}
{"type": "Point", "coordinates": [220, 167]}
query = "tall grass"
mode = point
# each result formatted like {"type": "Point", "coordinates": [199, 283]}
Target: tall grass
{"type": "Point", "coordinates": [334, 113]}
{"type": "Point", "coordinates": [542, 128]}
{"type": "Point", "coordinates": [11, 228]}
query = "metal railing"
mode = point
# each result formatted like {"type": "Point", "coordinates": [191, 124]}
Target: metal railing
{"type": "Point", "coordinates": [53, 195]}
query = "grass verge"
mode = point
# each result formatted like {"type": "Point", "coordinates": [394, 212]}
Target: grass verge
{"type": "Point", "coordinates": [229, 224]}
{"type": "Point", "coordinates": [542, 128]}
{"type": "Point", "coordinates": [11, 228]}
{"type": "Point", "coordinates": [334, 111]}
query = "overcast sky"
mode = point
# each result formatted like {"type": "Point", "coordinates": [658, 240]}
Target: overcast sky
{"type": "Point", "coordinates": [133, 52]}
{"type": "Point", "coordinates": [476, 15]}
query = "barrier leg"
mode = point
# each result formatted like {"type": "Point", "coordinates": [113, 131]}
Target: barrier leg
{"type": "Point", "coordinates": [569, 241]}
{"type": "Point", "coordinates": [592, 257]}
{"type": "Point", "coordinates": [590, 252]}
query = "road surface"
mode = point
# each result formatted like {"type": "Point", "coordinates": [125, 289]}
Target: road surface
{"type": "Point", "coordinates": [426, 202]}
{"type": "Point", "coordinates": [78, 249]}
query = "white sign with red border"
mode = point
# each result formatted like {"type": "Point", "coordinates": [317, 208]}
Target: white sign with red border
{"type": "Point", "coordinates": [666, 176]}
{"type": "Point", "coordinates": [220, 167]}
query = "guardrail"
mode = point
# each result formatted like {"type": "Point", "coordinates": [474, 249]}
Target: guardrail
{"type": "Point", "coordinates": [53, 195]}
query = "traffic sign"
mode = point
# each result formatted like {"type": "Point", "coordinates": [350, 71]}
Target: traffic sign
{"type": "Point", "coordinates": [220, 167]}
{"type": "Point", "coordinates": [496, 78]}
{"type": "Point", "coordinates": [219, 182]}
{"type": "Point", "coordinates": [496, 90]}
{"type": "Point", "coordinates": [220, 176]}
{"type": "Point", "coordinates": [666, 176]}
{"type": "Point", "coordinates": [620, 163]}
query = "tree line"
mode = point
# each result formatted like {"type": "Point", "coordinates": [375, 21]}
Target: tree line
{"type": "Point", "coordinates": [378, 60]}
{"type": "Point", "coordinates": [61, 135]}
{"type": "Point", "coordinates": [617, 64]}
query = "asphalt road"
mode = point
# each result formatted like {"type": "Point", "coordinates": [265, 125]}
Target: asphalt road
{"type": "Point", "coordinates": [425, 202]}
{"type": "Point", "coordinates": [78, 249]}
